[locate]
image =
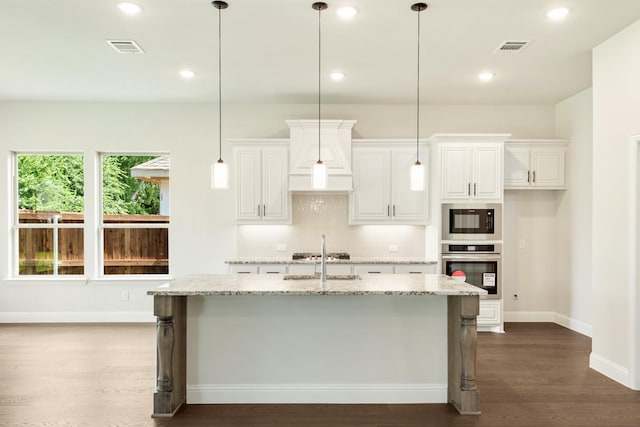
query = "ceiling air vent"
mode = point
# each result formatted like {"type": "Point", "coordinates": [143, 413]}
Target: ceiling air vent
{"type": "Point", "coordinates": [125, 46]}
{"type": "Point", "coordinates": [512, 46]}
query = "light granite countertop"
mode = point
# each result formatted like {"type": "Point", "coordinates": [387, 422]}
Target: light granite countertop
{"type": "Point", "coordinates": [275, 284]}
{"type": "Point", "coordinates": [239, 261]}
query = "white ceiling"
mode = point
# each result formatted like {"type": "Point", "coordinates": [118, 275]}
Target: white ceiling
{"type": "Point", "coordinates": [56, 50]}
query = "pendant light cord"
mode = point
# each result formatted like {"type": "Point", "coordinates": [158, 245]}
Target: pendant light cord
{"type": "Point", "coordinates": [319, 77]}
{"type": "Point", "coordinates": [219, 85]}
{"type": "Point", "coordinates": [418, 99]}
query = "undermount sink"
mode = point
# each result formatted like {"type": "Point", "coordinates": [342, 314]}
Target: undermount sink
{"type": "Point", "coordinates": [317, 276]}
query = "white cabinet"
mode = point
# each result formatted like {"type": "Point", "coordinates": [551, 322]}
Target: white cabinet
{"type": "Point", "coordinates": [490, 316]}
{"type": "Point", "coordinates": [535, 165]}
{"type": "Point", "coordinates": [382, 193]}
{"type": "Point", "coordinates": [373, 269]}
{"type": "Point", "coordinates": [261, 189]}
{"type": "Point", "coordinates": [471, 171]}
{"type": "Point", "coordinates": [416, 268]}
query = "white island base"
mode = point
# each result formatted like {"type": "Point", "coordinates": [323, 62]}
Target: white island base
{"type": "Point", "coordinates": [268, 340]}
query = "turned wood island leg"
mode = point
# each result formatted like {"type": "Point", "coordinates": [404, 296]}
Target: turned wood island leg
{"type": "Point", "coordinates": [463, 392]}
{"type": "Point", "coordinates": [171, 351]}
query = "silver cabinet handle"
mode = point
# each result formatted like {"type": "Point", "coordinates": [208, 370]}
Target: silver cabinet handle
{"type": "Point", "coordinates": [474, 188]}
{"type": "Point", "coordinates": [468, 189]}
{"type": "Point", "coordinates": [388, 212]}
{"type": "Point", "coordinates": [264, 210]}
{"type": "Point", "coordinates": [394, 210]}
{"type": "Point", "coordinates": [534, 177]}
{"type": "Point", "coordinates": [528, 176]}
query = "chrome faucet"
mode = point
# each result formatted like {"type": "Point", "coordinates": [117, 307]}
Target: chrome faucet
{"type": "Point", "coordinates": [323, 260]}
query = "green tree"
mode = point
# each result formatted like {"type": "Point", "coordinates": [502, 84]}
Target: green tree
{"type": "Point", "coordinates": [123, 194]}
{"type": "Point", "coordinates": [51, 183]}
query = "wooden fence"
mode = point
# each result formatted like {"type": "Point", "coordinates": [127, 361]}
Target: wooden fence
{"type": "Point", "coordinates": [126, 250]}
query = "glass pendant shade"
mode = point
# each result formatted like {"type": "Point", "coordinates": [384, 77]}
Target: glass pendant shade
{"type": "Point", "coordinates": [417, 177]}
{"type": "Point", "coordinates": [319, 176]}
{"type": "Point", "coordinates": [219, 175]}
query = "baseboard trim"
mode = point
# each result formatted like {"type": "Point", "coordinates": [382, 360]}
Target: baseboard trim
{"type": "Point", "coordinates": [610, 369]}
{"type": "Point", "coordinates": [77, 317]}
{"type": "Point", "coordinates": [316, 393]}
{"type": "Point", "coordinates": [550, 317]}
{"type": "Point", "coordinates": [574, 324]}
{"type": "Point", "coordinates": [529, 316]}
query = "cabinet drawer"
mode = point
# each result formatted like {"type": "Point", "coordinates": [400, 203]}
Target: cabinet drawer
{"type": "Point", "coordinates": [374, 269]}
{"type": "Point", "coordinates": [416, 269]}
{"type": "Point", "coordinates": [272, 268]}
{"type": "Point", "coordinates": [490, 313]}
{"type": "Point", "coordinates": [243, 268]}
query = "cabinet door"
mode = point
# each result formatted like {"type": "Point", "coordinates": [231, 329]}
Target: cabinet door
{"type": "Point", "coordinates": [371, 175]}
{"type": "Point", "coordinates": [406, 205]}
{"type": "Point", "coordinates": [548, 167]}
{"type": "Point", "coordinates": [275, 195]}
{"type": "Point", "coordinates": [248, 187]}
{"type": "Point", "coordinates": [487, 173]}
{"type": "Point", "coordinates": [456, 167]}
{"type": "Point", "coordinates": [516, 167]}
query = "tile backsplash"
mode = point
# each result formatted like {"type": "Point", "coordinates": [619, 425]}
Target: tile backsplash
{"type": "Point", "coordinates": [314, 215]}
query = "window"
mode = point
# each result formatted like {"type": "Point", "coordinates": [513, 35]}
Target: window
{"type": "Point", "coordinates": [135, 214]}
{"type": "Point", "coordinates": [49, 214]}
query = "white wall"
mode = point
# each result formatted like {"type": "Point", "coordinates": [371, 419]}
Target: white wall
{"type": "Point", "coordinates": [203, 232]}
{"type": "Point", "coordinates": [616, 117]}
{"type": "Point", "coordinates": [530, 272]}
{"type": "Point", "coordinates": [574, 121]}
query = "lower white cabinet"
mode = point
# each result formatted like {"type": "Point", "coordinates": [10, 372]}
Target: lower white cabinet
{"type": "Point", "coordinates": [490, 317]}
{"type": "Point", "coordinates": [272, 268]}
{"type": "Point", "coordinates": [243, 268]}
{"type": "Point", "coordinates": [374, 269]}
{"type": "Point", "coordinates": [416, 268]}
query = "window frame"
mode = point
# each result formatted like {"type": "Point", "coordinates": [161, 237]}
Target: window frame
{"type": "Point", "coordinates": [16, 225]}
{"type": "Point", "coordinates": [100, 273]}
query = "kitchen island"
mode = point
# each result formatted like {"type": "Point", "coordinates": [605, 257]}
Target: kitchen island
{"type": "Point", "coordinates": [266, 339]}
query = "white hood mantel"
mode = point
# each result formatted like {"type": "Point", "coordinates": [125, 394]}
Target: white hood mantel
{"type": "Point", "coordinates": [335, 152]}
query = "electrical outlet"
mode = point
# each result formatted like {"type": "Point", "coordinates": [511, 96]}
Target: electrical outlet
{"type": "Point", "coordinates": [124, 296]}
{"type": "Point", "coordinates": [393, 248]}
{"type": "Point", "coordinates": [281, 247]}
{"type": "Point", "coordinates": [522, 243]}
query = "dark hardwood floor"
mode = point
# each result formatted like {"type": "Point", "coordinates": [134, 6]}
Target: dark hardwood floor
{"type": "Point", "coordinates": [102, 375]}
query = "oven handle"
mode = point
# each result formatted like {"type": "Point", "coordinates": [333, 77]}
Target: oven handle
{"type": "Point", "coordinates": [472, 257]}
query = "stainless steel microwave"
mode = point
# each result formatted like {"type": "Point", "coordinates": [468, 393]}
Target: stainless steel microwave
{"type": "Point", "coordinates": [472, 221]}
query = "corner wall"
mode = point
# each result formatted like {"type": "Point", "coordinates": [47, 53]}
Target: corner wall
{"type": "Point", "coordinates": [574, 121]}
{"type": "Point", "coordinates": [616, 85]}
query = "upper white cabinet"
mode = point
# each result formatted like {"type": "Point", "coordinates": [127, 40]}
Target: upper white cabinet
{"type": "Point", "coordinates": [261, 171]}
{"type": "Point", "coordinates": [381, 174]}
{"type": "Point", "coordinates": [535, 164]}
{"type": "Point", "coordinates": [471, 171]}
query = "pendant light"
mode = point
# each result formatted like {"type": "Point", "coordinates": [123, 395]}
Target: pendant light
{"type": "Point", "coordinates": [319, 176]}
{"type": "Point", "coordinates": [417, 170]}
{"type": "Point", "coordinates": [219, 170]}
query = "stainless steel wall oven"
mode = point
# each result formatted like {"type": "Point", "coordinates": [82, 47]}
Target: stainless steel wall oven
{"type": "Point", "coordinates": [478, 264]}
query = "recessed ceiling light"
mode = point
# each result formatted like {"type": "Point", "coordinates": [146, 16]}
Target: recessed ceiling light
{"type": "Point", "coordinates": [336, 75]}
{"type": "Point", "coordinates": [558, 14]}
{"type": "Point", "coordinates": [129, 8]}
{"type": "Point", "coordinates": [187, 74]}
{"type": "Point", "coordinates": [486, 76]}
{"type": "Point", "coordinates": [346, 12]}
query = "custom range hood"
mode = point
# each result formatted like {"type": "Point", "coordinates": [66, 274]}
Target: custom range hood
{"type": "Point", "coordinates": [335, 139]}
